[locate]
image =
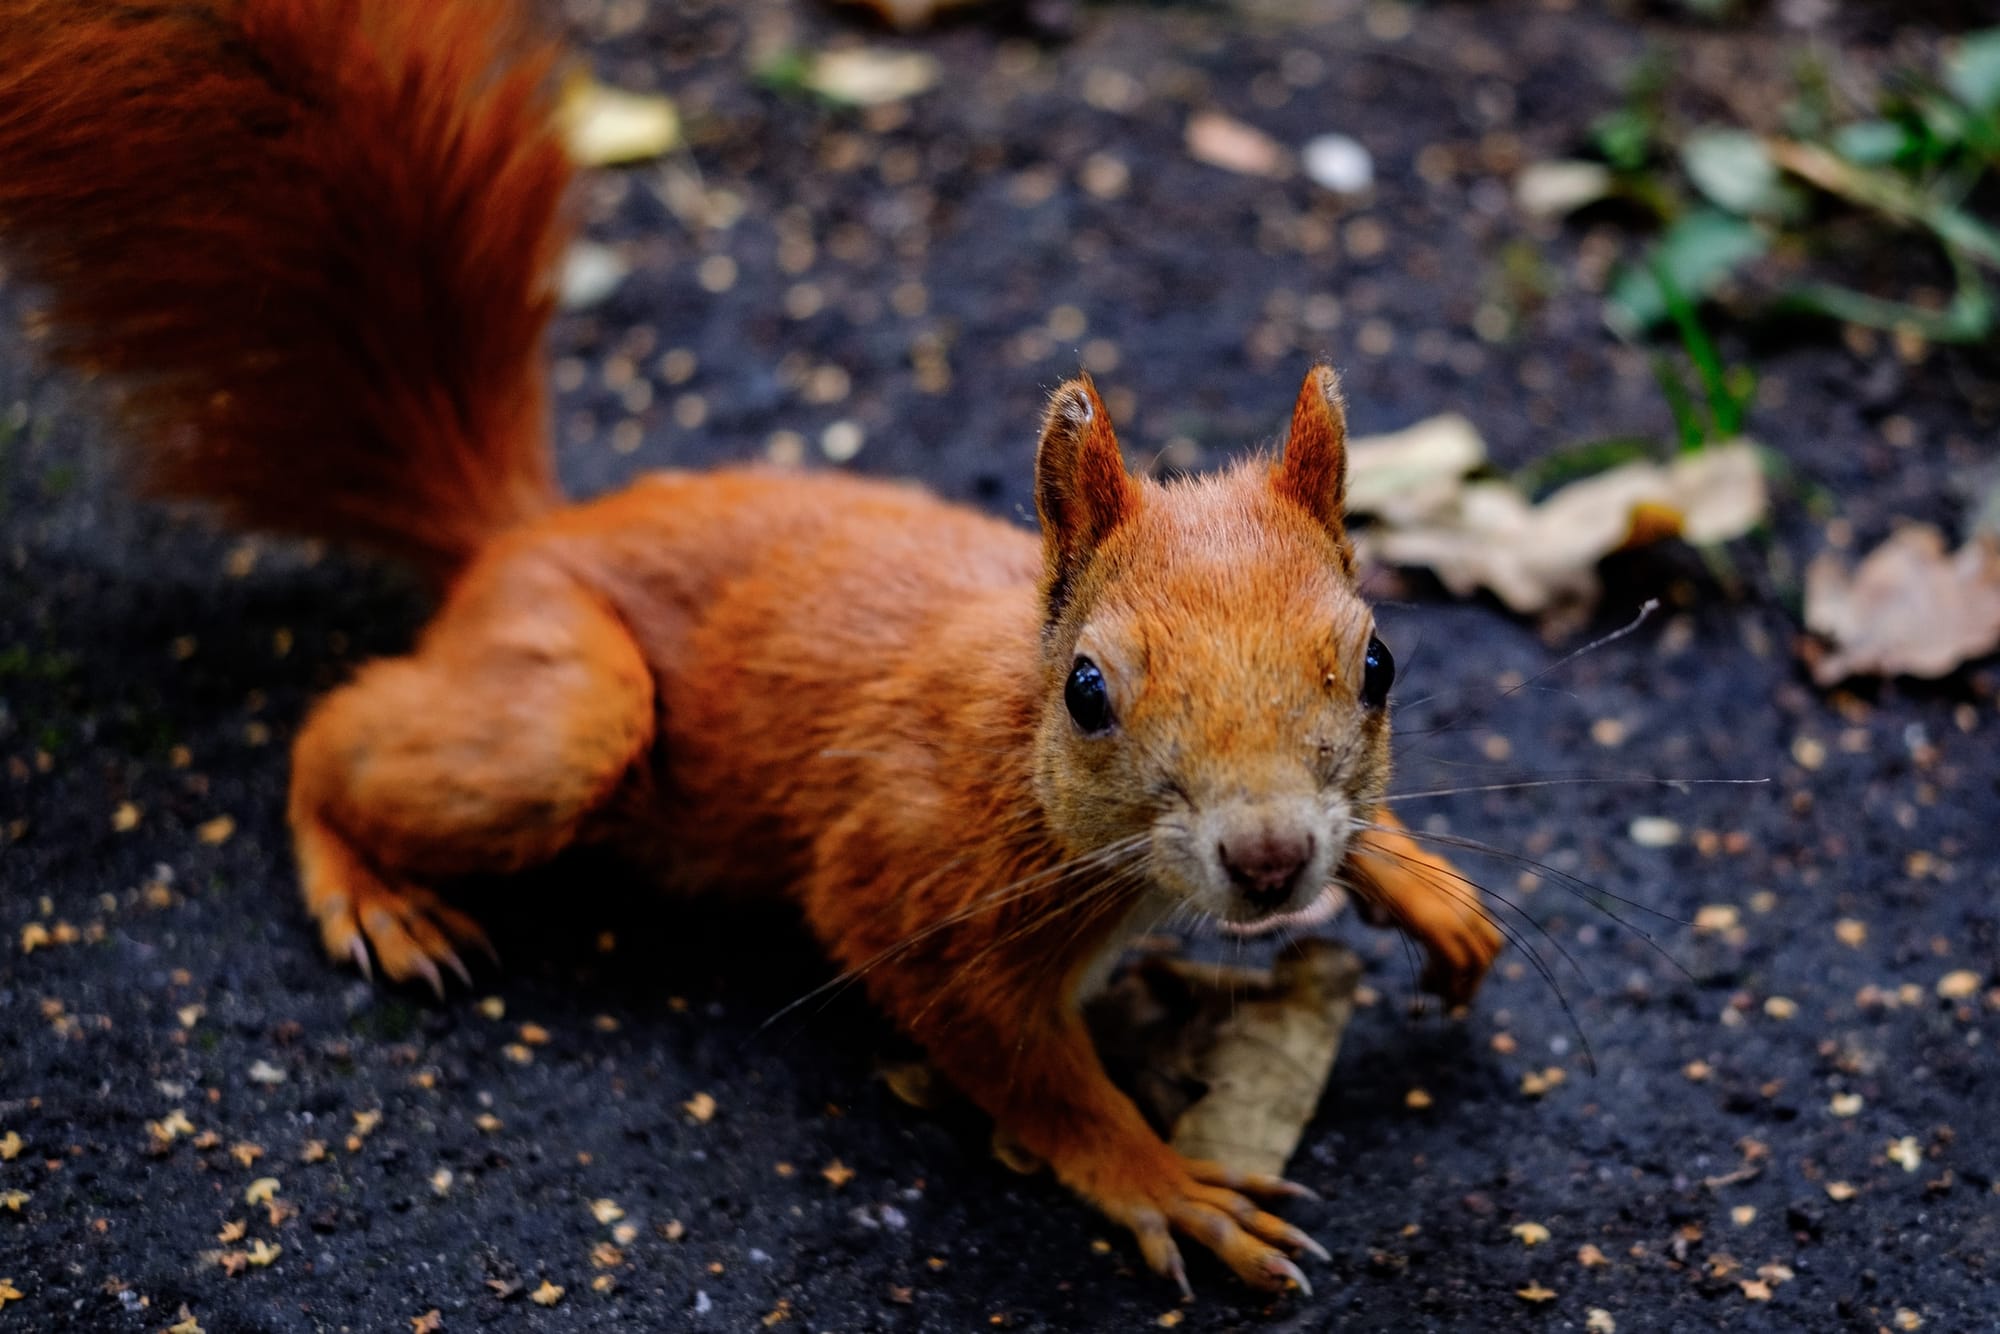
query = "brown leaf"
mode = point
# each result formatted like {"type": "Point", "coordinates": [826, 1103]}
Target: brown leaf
{"type": "Point", "coordinates": [1225, 142]}
{"type": "Point", "coordinates": [908, 14]}
{"type": "Point", "coordinates": [1254, 1046]}
{"type": "Point", "coordinates": [1535, 556]}
{"type": "Point", "coordinates": [1910, 608]}
{"type": "Point", "coordinates": [604, 126]}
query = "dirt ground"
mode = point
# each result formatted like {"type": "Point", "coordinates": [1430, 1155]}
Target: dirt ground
{"type": "Point", "coordinates": [1788, 1127]}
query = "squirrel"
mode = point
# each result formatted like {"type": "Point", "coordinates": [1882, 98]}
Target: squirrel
{"type": "Point", "coordinates": [306, 247]}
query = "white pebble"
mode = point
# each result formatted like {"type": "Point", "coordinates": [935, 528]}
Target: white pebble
{"type": "Point", "coordinates": [1338, 163]}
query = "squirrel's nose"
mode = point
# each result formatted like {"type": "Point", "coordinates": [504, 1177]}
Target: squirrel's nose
{"type": "Point", "coordinates": [1265, 866]}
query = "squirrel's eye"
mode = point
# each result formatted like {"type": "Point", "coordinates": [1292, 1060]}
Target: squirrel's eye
{"type": "Point", "coordinates": [1379, 676]}
{"type": "Point", "coordinates": [1088, 699]}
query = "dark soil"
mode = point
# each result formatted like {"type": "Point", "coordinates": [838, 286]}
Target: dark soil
{"type": "Point", "coordinates": [965, 253]}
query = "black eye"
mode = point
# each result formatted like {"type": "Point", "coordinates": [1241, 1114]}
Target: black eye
{"type": "Point", "coordinates": [1088, 700]}
{"type": "Point", "coordinates": [1380, 674]}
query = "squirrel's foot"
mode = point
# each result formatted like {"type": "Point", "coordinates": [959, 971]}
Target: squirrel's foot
{"type": "Point", "coordinates": [407, 931]}
{"type": "Point", "coordinates": [1211, 1204]}
{"type": "Point", "coordinates": [1458, 952]}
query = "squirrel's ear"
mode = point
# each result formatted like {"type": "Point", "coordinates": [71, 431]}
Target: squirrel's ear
{"type": "Point", "coordinates": [1313, 473]}
{"type": "Point", "coordinates": [1082, 490]}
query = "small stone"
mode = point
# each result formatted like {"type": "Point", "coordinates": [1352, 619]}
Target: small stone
{"type": "Point", "coordinates": [1654, 831]}
{"type": "Point", "coordinates": [1338, 163]}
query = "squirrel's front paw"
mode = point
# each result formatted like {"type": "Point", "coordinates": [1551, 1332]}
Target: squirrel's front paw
{"type": "Point", "coordinates": [1208, 1203]}
{"type": "Point", "coordinates": [1460, 945]}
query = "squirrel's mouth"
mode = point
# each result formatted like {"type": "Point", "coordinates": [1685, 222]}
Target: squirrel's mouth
{"type": "Point", "coordinates": [1317, 911]}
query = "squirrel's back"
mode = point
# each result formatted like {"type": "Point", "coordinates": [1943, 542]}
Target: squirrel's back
{"type": "Point", "coordinates": [307, 245]}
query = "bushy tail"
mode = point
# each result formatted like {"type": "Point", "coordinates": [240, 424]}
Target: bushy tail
{"type": "Point", "coordinates": [307, 245]}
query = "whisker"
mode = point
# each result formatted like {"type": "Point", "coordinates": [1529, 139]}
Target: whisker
{"type": "Point", "coordinates": [988, 902]}
{"type": "Point", "coordinates": [1541, 967]}
{"type": "Point", "coordinates": [1577, 780]}
{"type": "Point", "coordinates": [1570, 882]}
{"type": "Point", "coordinates": [1470, 711]}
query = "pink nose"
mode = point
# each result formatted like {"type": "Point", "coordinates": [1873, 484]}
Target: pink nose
{"type": "Point", "coordinates": [1265, 866]}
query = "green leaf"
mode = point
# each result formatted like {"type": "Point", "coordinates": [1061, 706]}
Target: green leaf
{"type": "Point", "coordinates": [1973, 71]}
{"type": "Point", "coordinates": [1697, 253]}
{"type": "Point", "coordinates": [1624, 137]}
{"type": "Point", "coordinates": [1872, 143]}
{"type": "Point", "coordinates": [1733, 170]}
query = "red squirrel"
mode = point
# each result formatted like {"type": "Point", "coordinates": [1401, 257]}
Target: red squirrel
{"type": "Point", "coordinates": [306, 249]}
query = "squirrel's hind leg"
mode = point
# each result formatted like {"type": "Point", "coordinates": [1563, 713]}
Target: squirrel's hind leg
{"type": "Point", "coordinates": [524, 709]}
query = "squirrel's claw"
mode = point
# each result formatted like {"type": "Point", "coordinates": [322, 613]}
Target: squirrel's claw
{"type": "Point", "coordinates": [1162, 1256]}
{"type": "Point", "coordinates": [1248, 1183]}
{"type": "Point", "coordinates": [1246, 1238]}
{"type": "Point", "coordinates": [405, 931]}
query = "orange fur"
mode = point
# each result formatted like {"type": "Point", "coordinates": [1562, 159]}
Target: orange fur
{"type": "Point", "coordinates": [309, 245]}
{"type": "Point", "coordinates": [307, 242]}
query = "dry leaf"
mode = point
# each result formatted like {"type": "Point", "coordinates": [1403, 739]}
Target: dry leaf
{"type": "Point", "coordinates": [1234, 1060]}
{"type": "Point", "coordinates": [1225, 142]}
{"type": "Point", "coordinates": [604, 126]}
{"type": "Point", "coordinates": [546, 1295]}
{"type": "Point", "coordinates": [1910, 609]}
{"type": "Point", "coordinates": [909, 14]}
{"type": "Point", "coordinates": [1406, 474]}
{"type": "Point", "coordinates": [1536, 556]}
{"type": "Point", "coordinates": [1535, 1292]}
{"type": "Point", "coordinates": [867, 76]}
{"type": "Point", "coordinates": [1555, 189]}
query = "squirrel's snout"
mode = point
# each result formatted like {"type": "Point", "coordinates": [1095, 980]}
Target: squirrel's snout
{"type": "Point", "coordinates": [1265, 864]}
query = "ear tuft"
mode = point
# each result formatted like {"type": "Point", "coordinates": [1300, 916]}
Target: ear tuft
{"type": "Point", "coordinates": [1082, 490]}
{"type": "Point", "coordinates": [1313, 472]}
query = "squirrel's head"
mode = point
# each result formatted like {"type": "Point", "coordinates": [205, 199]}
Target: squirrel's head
{"type": "Point", "coordinates": [1214, 694]}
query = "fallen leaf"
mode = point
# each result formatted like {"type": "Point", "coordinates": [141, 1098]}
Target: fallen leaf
{"type": "Point", "coordinates": [908, 14]}
{"type": "Point", "coordinates": [1961, 984]}
{"type": "Point", "coordinates": [1535, 1292]}
{"type": "Point", "coordinates": [1233, 1059]}
{"type": "Point", "coordinates": [8, 1292]}
{"type": "Point", "coordinates": [546, 1295]}
{"type": "Point", "coordinates": [217, 831]}
{"type": "Point", "coordinates": [606, 1211]}
{"type": "Point", "coordinates": [1406, 474]}
{"type": "Point", "coordinates": [1555, 189]}
{"type": "Point", "coordinates": [867, 76]}
{"type": "Point", "coordinates": [604, 126]}
{"type": "Point", "coordinates": [430, 1322]}
{"type": "Point", "coordinates": [1909, 609]}
{"type": "Point", "coordinates": [1225, 142]}
{"type": "Point", "coordinates": [701, 1107]}
{"type": "Point", "coordinates": [1536, 556]}
{"type": "Point", "coordinates": [261, 1190]}
{"type": "Point", "coordinates": [837, 1173]}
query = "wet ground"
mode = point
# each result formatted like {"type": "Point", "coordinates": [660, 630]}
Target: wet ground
{"type": "Point", "coordinates": [1788, 1127]}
